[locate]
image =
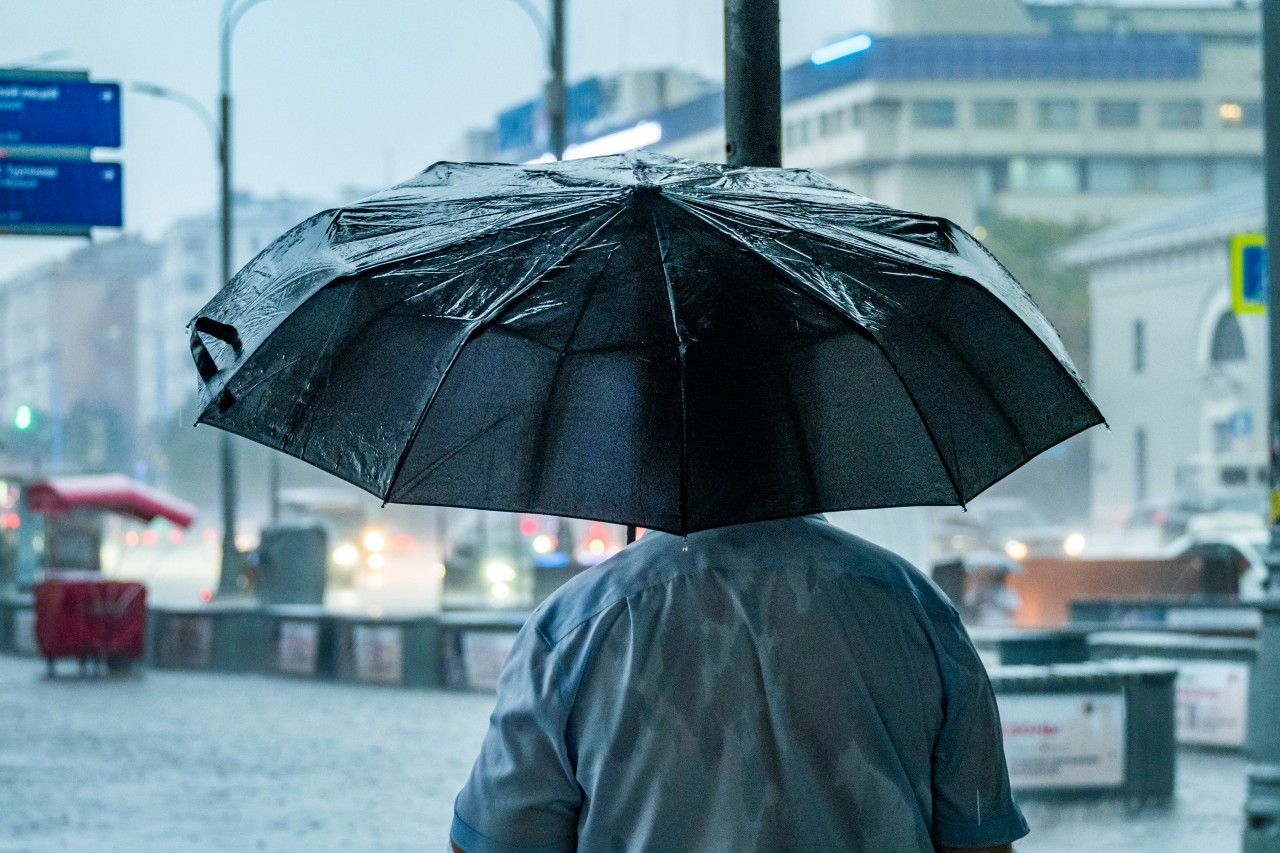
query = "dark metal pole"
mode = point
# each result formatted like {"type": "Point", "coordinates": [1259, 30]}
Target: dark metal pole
{"type": "Point", "coordinates": [1262, 804]}
{"type": "Point", "coordinates": [557, 98]}
{"type": "Point", "coordinates": [230, 570]}
{"type": "Point", "coordinates": [752, 83]}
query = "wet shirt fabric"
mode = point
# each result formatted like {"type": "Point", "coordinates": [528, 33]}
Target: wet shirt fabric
{"type": "Point", "coordinates": [772, 686]}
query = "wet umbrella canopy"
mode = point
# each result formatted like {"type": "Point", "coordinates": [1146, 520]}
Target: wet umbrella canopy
{"type": "Point", "coordinates": [638, 339]}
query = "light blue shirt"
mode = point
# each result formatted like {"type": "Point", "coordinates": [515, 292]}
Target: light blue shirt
{"type": "Point", "coordinates": [776, 686]}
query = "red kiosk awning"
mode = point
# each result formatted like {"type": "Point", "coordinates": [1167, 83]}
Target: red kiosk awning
{"type": "Point", "coordinates": [109, 492]}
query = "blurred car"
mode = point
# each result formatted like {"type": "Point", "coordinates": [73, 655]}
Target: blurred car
{"type": "Point", "coordinates": [1169, 518]}
{"type": "Point", "coordinates": [1232, 544]}
{"type": "Point", "coordinates": [1006, 525]}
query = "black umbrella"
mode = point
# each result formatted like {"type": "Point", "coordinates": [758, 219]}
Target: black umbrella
{"type": "Point", "coordinates": [638, 339]}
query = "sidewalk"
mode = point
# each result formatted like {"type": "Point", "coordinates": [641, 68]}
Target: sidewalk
{"type": "Point", "coordinates": [170, 761]}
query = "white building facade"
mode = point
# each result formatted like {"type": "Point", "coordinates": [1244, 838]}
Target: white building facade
{"type": "Point", "coordinates": [1066, 111]}
{"type": "Point", "coordinates": [1180, 376]}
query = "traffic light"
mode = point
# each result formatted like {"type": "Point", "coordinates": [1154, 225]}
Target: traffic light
{"type": "Point", "coordinates": [23, 418]}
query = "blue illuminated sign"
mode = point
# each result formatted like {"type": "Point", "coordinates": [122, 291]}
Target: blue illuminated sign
{"type": "Point", "coordinates": [70, 193]}
{"type": "Point", "coordinates": [59, 112]}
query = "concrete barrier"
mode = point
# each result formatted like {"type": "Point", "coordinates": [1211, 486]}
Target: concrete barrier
{"type": "Point", "coordinates": [1089, 728]}
{"type": "Point", "coordinates": [1212, 687]}
{"type": "Point", "coordinates": [1200, 614]}
{"type": "Point", "coordinates": [475, 645]}
{"type": "Point", "coordinates": [226, 637]}
{"type": "Point", "coordinates": [452, 650]}
{"type": "Point", "coordinates": [301, 641]}
{"type": "Point", "coordinates": [393, 650]}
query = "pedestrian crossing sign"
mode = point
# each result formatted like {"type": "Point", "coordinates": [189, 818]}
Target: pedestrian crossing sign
{"type": "Point", "coordinates": [1249, 281]}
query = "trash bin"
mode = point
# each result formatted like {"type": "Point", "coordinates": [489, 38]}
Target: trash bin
{"type": "Point", "coordinates": [1212, 688]}
{"type": "Point", "coordinates": [292, 559]}
{"type": "Point", "coordinates": [18, 624]}
{"type": "Point", "coordinates": [1014, 646]}
{"type": "Point", "coordinates": [1089, 728]}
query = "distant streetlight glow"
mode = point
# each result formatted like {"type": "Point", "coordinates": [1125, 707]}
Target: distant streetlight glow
{"type": "Point", "coordinates": [374, 540]}
{"type": "Point", "coordinates": [543, 544]}
{"type": "Point", "coordinates": [840, 49]}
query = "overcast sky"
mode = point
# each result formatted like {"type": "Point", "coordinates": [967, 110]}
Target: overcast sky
{"type": "Point", "coordinates": [338, 93]}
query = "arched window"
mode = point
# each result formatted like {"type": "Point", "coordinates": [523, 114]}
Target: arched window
{"type": "Point", "coordinates": [1228, 340]}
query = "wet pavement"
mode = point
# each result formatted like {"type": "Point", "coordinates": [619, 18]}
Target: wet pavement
{"type": "Point", "coordinates": [201, 762]}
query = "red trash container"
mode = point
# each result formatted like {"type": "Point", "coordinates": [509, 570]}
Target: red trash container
{"type": "Point", "coordinates": [90, 618]}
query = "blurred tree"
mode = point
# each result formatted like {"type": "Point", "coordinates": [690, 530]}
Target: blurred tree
{"type": "Point", "coordinates": [1057, 481]}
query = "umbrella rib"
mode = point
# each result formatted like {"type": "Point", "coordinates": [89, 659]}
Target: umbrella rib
{"type": "Point", "coordinates": [937, 448]}
{"type": "Point", "coordinates": [682, 349]}
{"type": "Point", "coordinates": [544, 423]}
{"type": "Point", "coordinates": [958, 280]}
{"type": "Point", "coordinates": [941, 335]}
{"type": "Point", "coordinates": [476, 326]}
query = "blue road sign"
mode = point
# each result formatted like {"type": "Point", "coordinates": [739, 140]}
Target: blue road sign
{"type": "Point", "coordinates": [1249, 276]}
{"type": "Point", "coordinates": [59, 112]}
{"type": "Point", "coordinates": [75, 193]}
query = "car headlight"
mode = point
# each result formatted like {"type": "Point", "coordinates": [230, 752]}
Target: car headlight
{"type": "Point", "coordinates": [1016, 549]}
{"type": "Point", "coordinates": [498, 572]}
{"type": "Point", "coordinates": [1073, 545]}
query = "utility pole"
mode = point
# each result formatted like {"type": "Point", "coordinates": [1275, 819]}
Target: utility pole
{"type": "Point", "coordinates": [1262, 804]}
{"type": "Point", "coordinates": [229, 575]}
{"type": "Point", "coordinates": [557, 96]}
{"type": "Point", "coordinates": [752, 83]}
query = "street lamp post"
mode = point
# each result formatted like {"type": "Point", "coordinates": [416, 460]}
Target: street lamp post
{"type": "Point", "coordinates": [752, 83]}
{"type": "Point", "coordinates": [1262, 805]}
{"type": "Point", "coordinates": [232, 12]}
{"type": "Point", "coordinates": [555, 95]}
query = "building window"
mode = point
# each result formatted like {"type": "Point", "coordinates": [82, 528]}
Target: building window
{"type": "Point", "coordinates": [1111, 175]}
{"type": "Point", "coordinates": [1058, 114]}
{"type": "Point", "coordinates": [1240, 113]}
{"type": "Point", "coordinates": [1228, 340]}
{"type": "Point", "coordinates": [995, 113]}
{"type": "Point", "coordinates": [797, 133]}
{"type": "Point", "coordinates": [1044, 174]}
{"type": "Point", "coordinates": [1180, 115]}
{"type": "Point", "coordinates": [935, 113]}
{"type": "Point", "coordinates": [1224, 173]}
{"type": "Point", "coordinates": [1177, 175]}
{"type": "Point", "coordinates": [831, 123]}
{"type": "Point", "coordinates": [1139, 346]}
{"type": "Point", "coordinates": [1140, 464]}
{"type": "Point", "coordinates": [858, 115]}
{"type": "Point", "coordinates": [1115, 114]}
